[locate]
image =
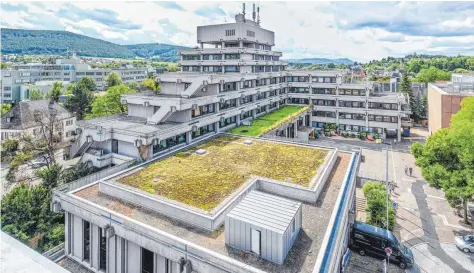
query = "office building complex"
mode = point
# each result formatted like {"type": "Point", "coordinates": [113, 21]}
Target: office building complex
{"type": "Point", "coordinates": [65, 70]}
{"type": "Point", "coordinates": [206, 201]}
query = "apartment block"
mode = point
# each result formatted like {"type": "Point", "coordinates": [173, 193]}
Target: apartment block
{"type": "Point", "coordinates": [65, 70]}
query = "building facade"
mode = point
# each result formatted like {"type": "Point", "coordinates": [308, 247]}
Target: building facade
{"type": "Point", "coordinates": [20, 120]}
{"type": "Point", "coordinates": [444, 100]}
{"type": "Point", "coordinates": [232, 77]}
{"type": "Point", "coordinates": [66, 70]}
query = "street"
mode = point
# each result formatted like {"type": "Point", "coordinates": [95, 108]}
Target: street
{"type": "Point", "coordinates": [425, 221]}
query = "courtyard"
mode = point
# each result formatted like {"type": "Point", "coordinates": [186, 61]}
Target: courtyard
{"type": "Point", "coordinates": [204, 181]}
{"type": "Point", "coordinates": [263, 123]}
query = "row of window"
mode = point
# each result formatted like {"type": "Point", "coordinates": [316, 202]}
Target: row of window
{"type": "Point", "coordinates": [230, 32]}
{"type": "Point", "coordinates": [265, 58]}
{"type": "Point", "coordinates": [168, 143]}
{"type": "Point", "coordinates": [355, 116]}
{"type": "Point", "coordinates": [314, 79]}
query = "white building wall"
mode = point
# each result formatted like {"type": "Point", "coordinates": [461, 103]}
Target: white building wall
{"type": "Point", "coordinates": [128, 149]}
{"type": "Point", "coordinates": [136, 110]}
{"type": "Point", "coordinates": [77, 248]}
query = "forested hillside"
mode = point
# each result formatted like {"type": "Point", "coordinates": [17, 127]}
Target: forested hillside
{"type": "Point", "coordinates": [50, 42]}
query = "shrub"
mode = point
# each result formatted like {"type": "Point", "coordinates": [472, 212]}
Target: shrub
{"type": "Point", "coordinates": [376, 195]}
{"type": "Point", "coordinates": [10, 145]}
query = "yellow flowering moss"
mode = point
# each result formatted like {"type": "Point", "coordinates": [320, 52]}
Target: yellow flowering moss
{"type": "Point", "coordinates": [203, 181]}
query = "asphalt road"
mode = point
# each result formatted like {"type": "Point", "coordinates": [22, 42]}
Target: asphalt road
{"type": "Point", "coordinates": [425, 221]}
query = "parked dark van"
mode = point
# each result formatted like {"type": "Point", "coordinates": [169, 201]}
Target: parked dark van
{"type": "Point", "coordinates": [370, 240]}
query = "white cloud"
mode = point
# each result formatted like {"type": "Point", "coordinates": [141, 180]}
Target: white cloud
{"type": "Point", "coordinates": [360, 31]}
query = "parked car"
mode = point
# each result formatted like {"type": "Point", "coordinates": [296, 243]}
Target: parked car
{"type": "Point", "coordinates": [372, 240]}
{"type": "Point", "coordinates": [465, 243]}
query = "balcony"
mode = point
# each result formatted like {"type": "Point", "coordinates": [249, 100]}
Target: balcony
{"type": "Point", "coordinates": [99, 159]}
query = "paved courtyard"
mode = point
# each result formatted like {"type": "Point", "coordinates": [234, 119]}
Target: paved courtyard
{"type": "Point", "coordinates": [425, 221]}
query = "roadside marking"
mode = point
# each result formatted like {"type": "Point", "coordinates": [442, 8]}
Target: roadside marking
{"type": "Point", "coordinates": [446, 223]}
{"type": "Point", "coordinates": [406, 179]}
{"type": "Point", "coordinates": [393, 166]}
{"type": "Point", "coordinates": [437, 197]}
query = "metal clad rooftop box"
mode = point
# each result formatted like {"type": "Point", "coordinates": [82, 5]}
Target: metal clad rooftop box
{"type": "Point", "coordinates": [264, 224]}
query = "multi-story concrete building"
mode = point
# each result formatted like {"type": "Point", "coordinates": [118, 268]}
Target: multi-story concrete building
{"type": "Point", "coordinates": [228, 80]}
{"type": "Point", "coordinates": [444, 100]}
{"type": "Point", "coordinates": [66, 70]}
{"type": "Point", "coordinates": [117, 226]}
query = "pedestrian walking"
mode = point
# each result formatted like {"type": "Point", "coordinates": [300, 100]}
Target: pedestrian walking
{"type": "Point", "coordinates": [411, 170]}
{"type": "Point", "coordinates": [406, 169]}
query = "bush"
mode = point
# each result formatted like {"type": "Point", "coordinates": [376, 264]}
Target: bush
{"type": "Point", "coordinates": [376, 195]}
{"type": "Point", "coordinates": [10, 145]}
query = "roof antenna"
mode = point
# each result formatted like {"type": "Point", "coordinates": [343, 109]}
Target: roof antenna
{"type": "Point", "coordinates": [258, 15]}
{"type": "Point", "coordinates": [243, 10]}
{"type": "Point", "coordinates": [253, 13]}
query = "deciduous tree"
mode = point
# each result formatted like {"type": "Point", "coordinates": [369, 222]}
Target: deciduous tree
{"type": "Point", "coordinates": [113, 79]}
{"type": "Point", "coordinates": [447, 160]}
{"type": "Point", "coordinates": [36, 94]}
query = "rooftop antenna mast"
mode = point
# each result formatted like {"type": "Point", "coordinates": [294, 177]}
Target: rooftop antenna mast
{"type": "Point", "coordinates": [258, 15]}
{"type": "Point", "coordinates": [253, 13]}
{"type": "Point", "coordinates": [243, 9]}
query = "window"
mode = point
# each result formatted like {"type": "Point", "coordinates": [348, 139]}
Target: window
{"type": "Point", "coordinates": [87, 242]}
{"type": "Point", "coordinates": [232, 56]}
{"type": "Point", "coordinates": [168, 266]}
{"type": "Point", "coordinates": [147, 261]}
{"type": "Point", "coordinates": [7, 88]}
{"type": "Point", "coordinates": [202, 110]}
{"type": "Point", "coordinates": [203, 130]}
{"type": "Point", "coordinates": [293, 226]}
{"type": "Point", "coordinates": [68, 122]}
{"type": "Point", "coordinates": [169, 143]}
{"type": "Point", "coordinates": [230, 32]}
{"type": "Point", "coordinates": [250, 33]}
{"type": "Point", "coordinates": [102, 249]}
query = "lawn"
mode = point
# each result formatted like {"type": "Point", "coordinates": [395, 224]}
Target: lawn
{"type": "Point", "coordinates": [204, 181]}
{"type": "Point", "coordinates": [259, 125]}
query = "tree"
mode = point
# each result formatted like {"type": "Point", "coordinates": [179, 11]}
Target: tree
{"type": "Point", "coordinates": [376, 195]}
{"type": "Point", "coordinates": [331, 66]}
{"type": "Point", "coordinates": [113, 79]}
{"type": "Point", "coordinates": [36, 94]}
{"type": "Point", "coordinates": [6, 108]}
{"type": "Point", "coordinates": [432, 74]}
{"type": "Point", "coordinates": [447, 160]}
{"type": "Point", "coordinates": [134, 85]}
{"type": "Point", "coordinates": [81, 100]}
{"type": "Point", "coordinates": [110, 103]}
{"type": "Point", "coordinates": [43, 144]}
{"type": "Point", "coordinates": [406, 88]}
{"type": "Point", "coordinates": [26, 215]}
{"type": "Point", "coordinates": [89, 84]}
{"type": "Point", "coordinates": [56, 91]}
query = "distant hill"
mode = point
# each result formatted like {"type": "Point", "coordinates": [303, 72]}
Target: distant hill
{"type": "Point", "coordinates": [319, 61]}
{"type": "Point", "coordinates": [51, 42]}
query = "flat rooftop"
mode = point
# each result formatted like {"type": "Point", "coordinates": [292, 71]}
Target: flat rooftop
{"type": "Point", "coordinates": [316, 217]}
{"type": "Point", "coordinates": [204, 181]}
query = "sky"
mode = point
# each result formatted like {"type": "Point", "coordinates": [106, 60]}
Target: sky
{"type": "Point", "coordinates": [360, 31]}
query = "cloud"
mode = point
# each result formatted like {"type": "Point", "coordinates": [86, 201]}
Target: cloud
{"type": "Point", "coordinates": [209, 11]}
{"type": "Point", "coordinates": [10, 7]}
{"type": "Point", "coordinates": [104, 16]}
{"type": "Point", "coordinates": [170, 5]}
{"type": "Point", "coordinates": [360, 31]}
